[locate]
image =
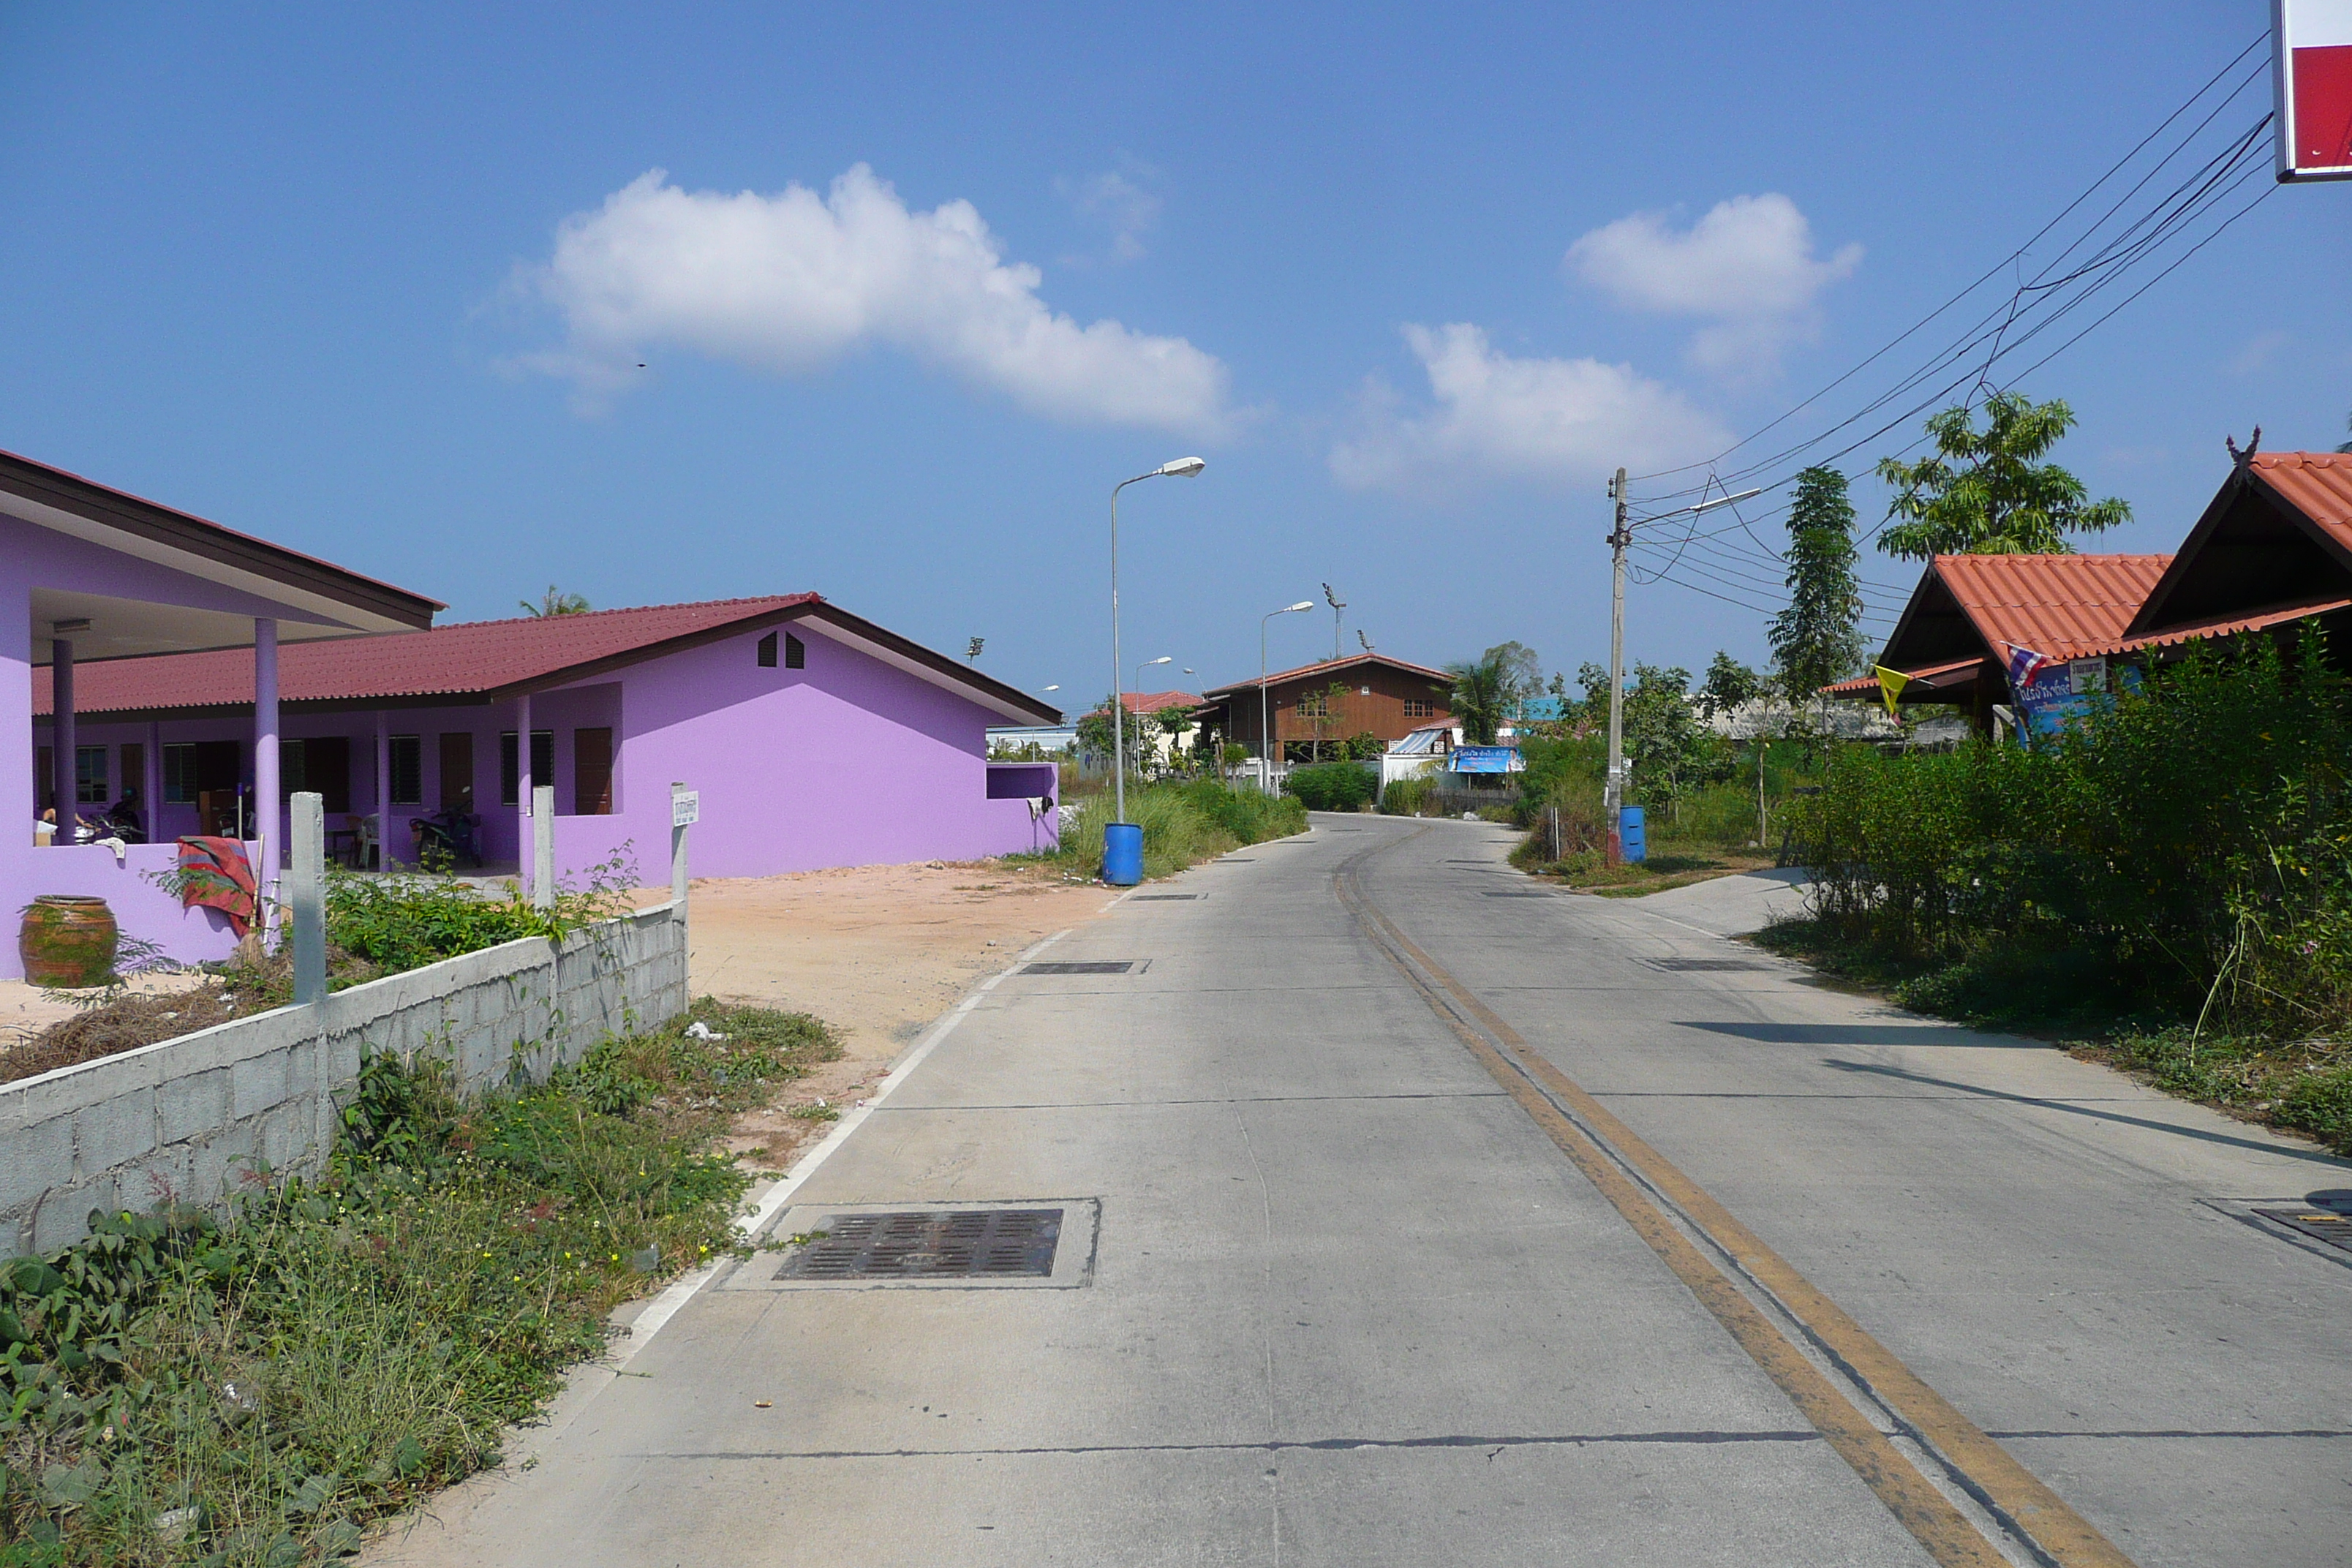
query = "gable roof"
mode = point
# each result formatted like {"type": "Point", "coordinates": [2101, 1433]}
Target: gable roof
{"type": "Point", "coordinates": [487, 661]}
{"type": "Point", "coordinates": [1149, 702]}
{"type": "Point", "coordinates": [1331, 666]}
{"type": "Point", "coordinates": [2276, 536]}
{"type": "Point", "coordinates": [335, 601]}
{"type": "Point", "coordinates": [2057, 606]}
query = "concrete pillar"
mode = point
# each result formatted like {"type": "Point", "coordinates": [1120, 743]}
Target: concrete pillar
{"type": "Point", "coordinates": [382, 789]}
{"type": "Point", "coordinates": [542, 845]}
{"type": "Point", "coordinates": [61, 735]}
{"type": "Point", "coordinates": [265, 759]}
{"type": "Point", "coordinates": [306, 892]}
{"type": "Point", "coordinates": [522, 791]}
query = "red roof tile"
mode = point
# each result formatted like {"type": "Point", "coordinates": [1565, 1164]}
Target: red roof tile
{"type": "Point", "coordinates": [2057, 606]}
{"type": "Point", "coordinates": [463, 661]}
{"type": "Point", "coordinates": [2317, 484]}
{"type": "Point", "coordinates": [1934, 677]}
{"type": "Point", "coordinates": [2223, 626]}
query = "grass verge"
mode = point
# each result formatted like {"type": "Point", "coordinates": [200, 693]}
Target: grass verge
{"type": "Point", "coordinates": [1183, 825]}
{"type": "Point", "coordinates": [1672, 863]}
{"type": "Point", "coordinates": [183, 1389]}
{"type": "Point", "coordinates": [2075, 1002]}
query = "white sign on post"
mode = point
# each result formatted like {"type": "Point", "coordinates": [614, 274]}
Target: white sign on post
{"type": "Point", "coordinates": [685, 808]}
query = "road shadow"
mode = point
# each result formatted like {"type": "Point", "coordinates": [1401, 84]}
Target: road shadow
{"type": "Point", "coordinates": [1866, 1034]}
{"type": "Point", "coordinates": [2073, 1107]}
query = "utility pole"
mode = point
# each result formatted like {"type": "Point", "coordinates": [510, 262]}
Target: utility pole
{"type": "Point", "coordinates": [1612, 791]}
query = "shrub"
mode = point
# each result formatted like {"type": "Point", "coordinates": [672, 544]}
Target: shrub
{"type": "Point", "coordinates": [2190, 843]}
{"type": "Point", "coordinates": [1183, 824]}
{"type": "Point", "coordinates": [1406, 797]}
{"type": "Point", "coordinates": [1332, 786]}
{"type": "Point", "coordinates": [254, 1391]}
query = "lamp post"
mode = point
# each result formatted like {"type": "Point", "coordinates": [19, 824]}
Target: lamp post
{"type": "Point", "coordinates": [1265, 735]}
{"type": "Point", "coordinates": [1181, 469]}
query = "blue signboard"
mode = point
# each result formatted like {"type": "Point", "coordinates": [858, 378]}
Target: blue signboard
{"type": "Point", "coordinates": [1484, 760]}
{"type": "Point", "coordinates": [2061, 693]}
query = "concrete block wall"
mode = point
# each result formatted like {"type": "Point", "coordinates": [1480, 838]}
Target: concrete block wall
{"type": "Point", "coordinates": [189, 1119]}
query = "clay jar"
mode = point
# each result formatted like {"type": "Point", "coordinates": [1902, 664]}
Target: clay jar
{"type": "Point", "coordinates": [68, 940]}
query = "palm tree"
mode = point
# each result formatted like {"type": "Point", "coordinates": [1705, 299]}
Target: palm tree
{"type": "Point", "coordinates": [556, 603]}
{"type": "Point", "coordinates": [1480, 698]}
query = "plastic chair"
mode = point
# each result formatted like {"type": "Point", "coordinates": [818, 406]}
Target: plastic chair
{"type": "Point", "coordinates": [370, 841]}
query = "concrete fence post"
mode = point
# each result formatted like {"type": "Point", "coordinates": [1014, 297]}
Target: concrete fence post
{"type": "Point", "coordinates": [542, 845]}
{"type": "Point", "coordinates": [307, 893]}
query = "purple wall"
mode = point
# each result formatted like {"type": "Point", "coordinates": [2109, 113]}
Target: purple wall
{"type": "Point", "coordinates": [30, 558]}
{"type": "Point", "coordinates": [848, 762]}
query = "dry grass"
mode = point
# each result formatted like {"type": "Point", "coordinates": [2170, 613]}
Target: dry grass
{"type": "Point", "coordinates": [125, 1024]}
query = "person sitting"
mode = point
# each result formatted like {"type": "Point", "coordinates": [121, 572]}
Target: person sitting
{"type": "Point", "coordinates": [124, 819]}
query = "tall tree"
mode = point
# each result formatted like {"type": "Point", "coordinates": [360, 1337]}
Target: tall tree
{"type": "Point", "coordinates": [1818, 638]}
{"type": "Point", "coordinates": [1730, 685]}
{"type": "Point", "coordinates": [1987, 492]}
{"type": "Point", "coordinates": [1480, 698]}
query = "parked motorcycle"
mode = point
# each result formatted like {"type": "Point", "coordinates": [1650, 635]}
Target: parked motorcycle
{"type": "Point", "coordinates": [449, 836]}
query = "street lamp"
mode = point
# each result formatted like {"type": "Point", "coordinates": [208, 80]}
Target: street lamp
{"type": "Point", "coordinates": [1264, 736]}
{"type": "Point", "coordinates": [1181, 469]}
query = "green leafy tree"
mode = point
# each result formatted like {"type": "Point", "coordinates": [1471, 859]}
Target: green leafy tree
{"type": "Point", "coordinates": [1175, 722]}
{"type": "Point", "coordinates": [1096, 738]}
{"type": "Point", "coordinates": [1730, 685]}
{"type": "Point", "coordinates": [556, 602]}
{"type": "Point", "coordinates": [1480, 698]}
{"type": "Point", "coordinates": [1818, 638]}
{"type": "Point", "coordinates": [1669, 753]}
{"type": "Point", "coordinates": [1522, 670]}
{"type": "Point", "coordinates": [1986, 491]}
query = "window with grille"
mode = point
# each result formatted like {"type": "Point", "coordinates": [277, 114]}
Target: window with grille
{"type": "Point", "coordinates": [90, 775]}
{"type": "Point", "coordinates": [542, 765]}
{"type": "Point", "coordinates": [1315, 706]}
{"type": "Point", "coordinates": [404, 760]}
{"type": "Point", "coordinates": [768, 651]}
{"type": "Point", "coordinates": [796, 653]}
{"type": "Point", "coordinates": [180, 772]}
{"type": "Point", "coordinates": [1420, 708]}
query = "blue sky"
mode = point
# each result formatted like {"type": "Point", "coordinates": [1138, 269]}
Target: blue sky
{"type": "Point", "coordinates": [377, 285]}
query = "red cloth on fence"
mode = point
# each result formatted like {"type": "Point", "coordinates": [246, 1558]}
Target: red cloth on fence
{"type": "Point", "coordinates": [214, 872]}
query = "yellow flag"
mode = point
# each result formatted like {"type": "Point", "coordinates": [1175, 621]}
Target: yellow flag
{"type": "Point", "coordinates": [1891, 683]}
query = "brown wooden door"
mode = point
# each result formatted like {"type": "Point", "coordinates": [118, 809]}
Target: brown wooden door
{"type": "Point", "coordinates": [458, 771]}
{"type": "Point", "coordinates": [591, 772]}
{"type": "Point", "coordinates": [326, 768]}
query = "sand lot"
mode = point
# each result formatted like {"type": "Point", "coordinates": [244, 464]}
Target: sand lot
{"type": "Point", "coordinates": [878, 952]}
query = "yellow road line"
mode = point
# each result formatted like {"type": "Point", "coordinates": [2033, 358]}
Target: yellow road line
{"type": "Point", "coordinates": [2006, 1487]}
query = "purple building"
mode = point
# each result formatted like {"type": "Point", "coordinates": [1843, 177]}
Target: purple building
{"type": "Point", "coordinates": [813, 738]}
{"type": "Point", "coordinates": [90, 573]}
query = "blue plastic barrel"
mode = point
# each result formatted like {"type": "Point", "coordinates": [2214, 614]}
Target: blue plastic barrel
{"type": "Point", "coordinates": [1122, 855]}
{"type": "Point", "coordinates": [1632, 834]}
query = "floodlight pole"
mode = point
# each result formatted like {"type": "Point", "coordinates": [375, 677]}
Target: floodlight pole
{"type": "Point", "coordinates": [1612, 791]}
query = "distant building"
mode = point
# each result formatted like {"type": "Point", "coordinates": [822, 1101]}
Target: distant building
{"type": "Point", "coordinates": [1157, 746]}
{"type": "Point", "coordinates": [1317, 708]}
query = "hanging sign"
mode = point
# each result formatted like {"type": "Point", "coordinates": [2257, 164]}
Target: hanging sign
{"type": "Point", "coordinates": [2311, 83]}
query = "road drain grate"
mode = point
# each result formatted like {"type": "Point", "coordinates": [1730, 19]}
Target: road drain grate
{"type": "Point", "coordinates": [1680, 965]}
{"type": "Point", "coordinates": [1082, 966]}
{"type": "Point", "coordinates": [927, 1243]}
{"type": "Point", "coordinates": [1160, 898]}
{"type": "Point", "coordinates": [2333, 1228]}
{"type": "Point", "coordinates": [1518, 893]}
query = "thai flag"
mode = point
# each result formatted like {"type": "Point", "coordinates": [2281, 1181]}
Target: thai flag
{"type": "Point", "coordinates": [2024, 664]}
{"type": "Point", "coordinates": [2312, 47]}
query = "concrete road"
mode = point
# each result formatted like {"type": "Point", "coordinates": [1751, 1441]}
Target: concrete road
{"type": "Point", "coordinates": [1443, 1219]}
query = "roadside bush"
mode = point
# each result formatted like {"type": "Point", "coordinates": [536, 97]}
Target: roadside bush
{"type": "Point", "coordinates": [1406, 797]}
{"type": "Point", "coordinates": [407, 922]}
{"type": "Point", "coordinates": [1183, 824]}
{"type": "Point", "coordinates": [1331, 786]}
{"type": "Point", "coordinates": [2195, 841]}
{"type": "Point", "coordinates": [255, 1390]}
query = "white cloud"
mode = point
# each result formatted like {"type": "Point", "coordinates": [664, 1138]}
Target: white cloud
{"type": "Point", "coordinates": [2258, 353]}
{"type": "Point", "coordinates": [1748, 264]}
{"type": "Point", "coordinates": [1127, 209]}
{"type": "Point", "coordinates": [1494, 416]}
{"type": "Point", "coordinates": [793, 281]}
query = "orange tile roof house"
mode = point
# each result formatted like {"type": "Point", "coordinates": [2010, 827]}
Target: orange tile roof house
{"type": "Point", "coordinates": [2273, 548]}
